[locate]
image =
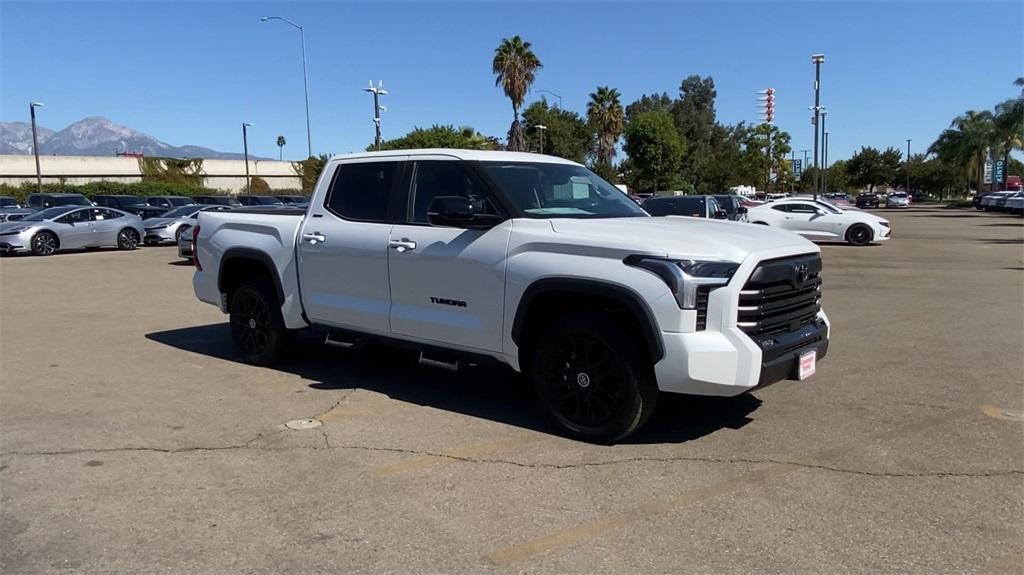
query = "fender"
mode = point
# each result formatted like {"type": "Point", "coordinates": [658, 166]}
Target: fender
{"type": "Point", "coordinates": [627, 297]}
{"type": "Point", "coordinates": [241, 253]}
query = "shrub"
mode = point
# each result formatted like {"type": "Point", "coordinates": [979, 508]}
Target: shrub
{"type": "Point", "coordinates": [258, 185]}
{"type": "Point", "coordinates": [143, 188]}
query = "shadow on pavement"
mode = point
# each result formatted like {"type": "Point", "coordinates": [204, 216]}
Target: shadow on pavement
{"type": "Point", "coordinates": [1004, 242]}
{"type": "Point", "coordinates": [1006, 225]}
{"type": "Point", "coordinates": [495, 393]}
{"type": "Point", "coordinates": [183, 263]}
{"type": "Point", "coordinates": [940, 215]}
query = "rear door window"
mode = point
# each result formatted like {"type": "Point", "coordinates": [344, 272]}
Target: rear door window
{"type": "Point", "coordinates": [360, 191]}
{"type": "Point", "coordinates": [75, 217]}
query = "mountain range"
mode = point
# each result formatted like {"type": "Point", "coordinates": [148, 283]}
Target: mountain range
{"type": "Point", "coordinates": [98, 136]}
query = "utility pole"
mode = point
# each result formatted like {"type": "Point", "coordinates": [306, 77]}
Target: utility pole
{"type": "Point", "coordinates": [35, 144]}
{"type": "Point", "coordinates": [305, 80]}
{"type": "Point", "coordinates": [767, 105]}
{"type": "Point", "coordinates": [824, 153]}
{"type": "Point", "coordinates": [377, 108]}
{"type": "Point", "coordinates": [817, 60]}
{"type": "Point", "coordinates": [245, 146]}
{"type": "Point", "coordinates": [541, 129]}
{"type": "Point", "coordinates": [908, 167]}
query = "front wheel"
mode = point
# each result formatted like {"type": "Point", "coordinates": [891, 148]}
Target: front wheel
{"type": "Point", "coordinates": [45, 243]}
{"type": "Point", "coordinates": [127, 239]}
{"type": "Point", "coordinates": [859, 235]}
{"type": "Point", "coordinates": [257, 326]}
{"type": "Point", "coordinates": [592, 381]}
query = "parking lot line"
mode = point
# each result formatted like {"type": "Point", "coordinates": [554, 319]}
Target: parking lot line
{"type": "Point", "coordinates": [512, 554]}
{"type": "Point", "coordinates": [461, 453]}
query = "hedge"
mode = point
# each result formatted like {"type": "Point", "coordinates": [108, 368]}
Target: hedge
{"type": "Point", "coordinates": [144, 188]}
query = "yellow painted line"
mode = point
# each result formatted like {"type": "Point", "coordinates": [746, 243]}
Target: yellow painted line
{"type": "Point", "coordinates": [461, 453]}
{"type": "Point", "coordinates": [999, 413]}
{"type": "Point", "coordinates": [508, 555]}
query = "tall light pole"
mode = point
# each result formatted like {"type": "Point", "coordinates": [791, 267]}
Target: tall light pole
{"type": "Point", "coordinates": [824, 153]}
{"type": "Point", "coordinates": [305, 78]}
{"type": "Point", "coordinates": [817, 60]}
{"type": "Point", "coordinates": [377, 93]}
{"type": "Point", "coordinates": [245, 144]}
{"type": "Point", "coordinates": [541, 129]}
{"type": "Point", "coordinates": [35, 144]}
{"type": "Point", "coordinates": [908, 167]}
{"type": "Point", "coordinates": [555, 95]}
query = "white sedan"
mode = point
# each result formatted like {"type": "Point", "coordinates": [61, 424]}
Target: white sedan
{"type": "Point", "coordinates": [821, 221]}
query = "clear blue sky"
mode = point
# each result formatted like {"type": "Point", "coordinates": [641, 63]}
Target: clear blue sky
{"type": "Point", "coordinates": [190, 73]}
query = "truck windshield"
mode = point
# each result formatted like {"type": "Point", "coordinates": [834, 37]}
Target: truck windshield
{"type": "Point", "coordinates": [546, 190]}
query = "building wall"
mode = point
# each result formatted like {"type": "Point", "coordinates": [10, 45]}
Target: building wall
{"type": "Point", "coordinates": [226, 175]}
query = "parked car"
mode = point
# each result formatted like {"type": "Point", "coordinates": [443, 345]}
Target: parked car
{"type": "Point", "coordinates": [293, 199]}
{"type": "Point", "coordinates": [247, 200]}
{"type": "Point", "coordinates": [167, 227]}
{"type": "Point", "coordinates": [69, 227]}
{"type": "Point", "coordinates": [169, 202]}
{"type": "Point", "coordinates": [42, 201]}
{"type": "Point", "coordinates": [999, 204]}
{"type": "Point", "coordinates": [1015, 204]}
{"type": "Point", "coordinates": [734, 207]}
{"type": "Point", "coordinates": [131, 204]}
{"type": "Point", "coordinates": [867, 201]}
{"type": "Point", "coordinates": [897, 200]}
{"type": "Point", "coordinates": [990, 203]}
{"type": "Point", "coordinates": [217, 200]}
{"type": "Point", "coordinates": [11, 210]}
{"type": "Point", "coordinates": [692, 206]}
{"type": "Point", "coordinates": [976, 200]}
{"type": "Point", "coordinates": [822, 221]}
{"type": "Point", "coordinates": [185, 241]}
{"type": "Point", "coordinates": [526, 259]}
{"type": "Point", "coordinates": [7, 202]}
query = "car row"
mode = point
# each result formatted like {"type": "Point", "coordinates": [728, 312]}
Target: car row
{"type": "Point", "coordinates": [144, 206]}
{"type": "Point", "coordinates": [169, 226]}
{"type": "Point", "coordinates": [1004, 201]}
{"type": "Point", "coordinates": [69, 227]}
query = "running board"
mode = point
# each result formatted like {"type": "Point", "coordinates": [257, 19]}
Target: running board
{"type": "Point", "coordinates": [342, 340]}
{"type": "Point", "coordinates": [441, 359]}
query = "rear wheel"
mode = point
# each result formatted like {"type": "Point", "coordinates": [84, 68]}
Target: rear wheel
{"type": "Point", "coordinates": [592, 381]}
{"type": "Point", "coordinates": [859, 235]}
{"type": "Point", "coordinates": [127, 239]}
{"type": "Point", "coordinates": [45, 243]}
{"type": "Point", "coordinates": [257, 326]}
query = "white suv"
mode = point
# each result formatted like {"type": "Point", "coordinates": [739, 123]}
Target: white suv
{"type": "Point", "coordinates": [529, 260]}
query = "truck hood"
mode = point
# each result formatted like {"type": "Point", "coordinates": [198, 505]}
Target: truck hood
{"type": "Point", "coordinates": [682, 237]}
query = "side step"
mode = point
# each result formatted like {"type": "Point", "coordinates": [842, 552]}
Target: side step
{"type": "Point", "coordinates": [343, 340]}
{"type": "Point", "coordinates": [452, 361]}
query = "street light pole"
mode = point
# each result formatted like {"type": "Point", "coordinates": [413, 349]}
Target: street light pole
{"type": "Point", "coordinates": [305, 78]}
{"type": "Point", "coordinates": [555, 95]}
{"type": "Point", "coordinates": [824, 152]}
{"type": "Point", "coordinates": [35, 144]}
{"type": "Point", "coordinates": [541, 129]}
{"type": "Point", "coordinates": [817, 60]}
{"type": "Point", "coordinates": [377, 93]}
{"type": "Point", "coordinates": [245, 145]}
{"type": "Point", "coordinates": [908, 167]}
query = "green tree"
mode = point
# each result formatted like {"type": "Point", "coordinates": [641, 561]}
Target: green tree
{"type": "Point", "coordinates": [258, 185]}
{"type": "Point", "coordinates": [655, 152]}
{"type": "Point", "coordinates": [438, 136]}
{"type": "Point", "coordinates": [309, 170]}
{"type": "Point", "coordinates": [966, 143]}
{"type": "Point", "coordinates": [648, 104]}
{"type": "Point", "coordinates": [837, 178]}
{"type": "Point", "coordinates": [756, 159]}
{"type": "Point", "coordinates": [280, 147]}
{"type": "Point", "coordinates": [515, 69]}
{"type": "Point", "coordinates": [607, 120]}
{"type": "Point", "coordinates": [711, 149]}
{"type": "Point", "coordinates": [869, 167]}
{"type": "Point", "coordinates": [567, 134]}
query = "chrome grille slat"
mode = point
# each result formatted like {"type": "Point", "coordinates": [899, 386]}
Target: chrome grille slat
{"type": "Point", "coordinates": [782, 303]}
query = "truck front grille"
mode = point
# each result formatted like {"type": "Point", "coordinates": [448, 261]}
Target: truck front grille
{"type": "Point", "coordinates": [781, 295]}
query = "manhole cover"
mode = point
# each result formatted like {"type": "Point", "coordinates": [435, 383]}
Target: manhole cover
{"type": "Point", "coordinates": [303, 424]}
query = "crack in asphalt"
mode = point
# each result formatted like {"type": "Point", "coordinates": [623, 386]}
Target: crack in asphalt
{"type": "Point", "coordinates": [526, 465]}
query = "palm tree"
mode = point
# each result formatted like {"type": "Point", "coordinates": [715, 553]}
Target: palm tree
{"type": "Point", "coordinates": [1008, 127]}
{"type": "Point", "coordinates": [280, 147]}
{"type": "Point", "coordinates": [967, 142]}
{"type": "Point", "coordinates": [607, 119]}
{"type": "Point", "coordinates": [515, 68]}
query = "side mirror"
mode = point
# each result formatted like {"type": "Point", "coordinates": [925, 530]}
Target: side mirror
{"type": "Point", "coordinates": [457, 212]}
{"type": "Point", "coordinates": [721, 215]}
{"type": "Point", "coordinates": [741, 210]}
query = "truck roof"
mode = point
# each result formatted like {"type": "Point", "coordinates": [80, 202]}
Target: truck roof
{"type": "Point", "coordinates": [468, 155]}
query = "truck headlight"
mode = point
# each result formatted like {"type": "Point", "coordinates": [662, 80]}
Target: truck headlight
{"type": "Point", "coordinates": [687, 278]}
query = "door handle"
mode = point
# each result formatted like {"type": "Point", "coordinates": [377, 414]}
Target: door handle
{"type": "Point", "coordinates": [402, 245]}
{"type": "Point", "coordinates": [314, 238]}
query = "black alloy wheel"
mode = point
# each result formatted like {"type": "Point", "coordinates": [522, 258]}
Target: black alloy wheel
{"type": "Point", "coordinates": [859, 235]}
{"type": "Point", "coordinates": [44, 243]}
{"type": "Point", "coordinates": [127, 239]}
{"type": "Point", "coordinates": [257, 326]}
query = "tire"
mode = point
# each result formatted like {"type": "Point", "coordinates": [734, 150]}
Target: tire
{"type": "Point", "coordinates": [45, 243]}
{"type": "Point", "coordinates": [592, 381]}
{"type": "Point", "coordinates": [127, 239]}
{"type": "Point", "coordinates": [859, 235]}
{"type": "Point", "coordinates": [257, 326]}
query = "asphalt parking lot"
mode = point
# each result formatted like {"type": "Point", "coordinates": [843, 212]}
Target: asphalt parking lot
{"type": "Point", "coordinates": [132, 439]}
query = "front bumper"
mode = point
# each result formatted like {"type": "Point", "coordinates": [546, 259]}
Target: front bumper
{"type": "Point", "coordinates": [159, 235]}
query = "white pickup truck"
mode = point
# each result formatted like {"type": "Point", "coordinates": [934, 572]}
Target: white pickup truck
{"type": "Point", "coordinates": [529, 260]}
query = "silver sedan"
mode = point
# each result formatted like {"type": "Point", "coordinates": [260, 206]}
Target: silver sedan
{"type": "Point", "coordinates": [168, 227]}
{"type": "Point", "coordinates": [71, 227]}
